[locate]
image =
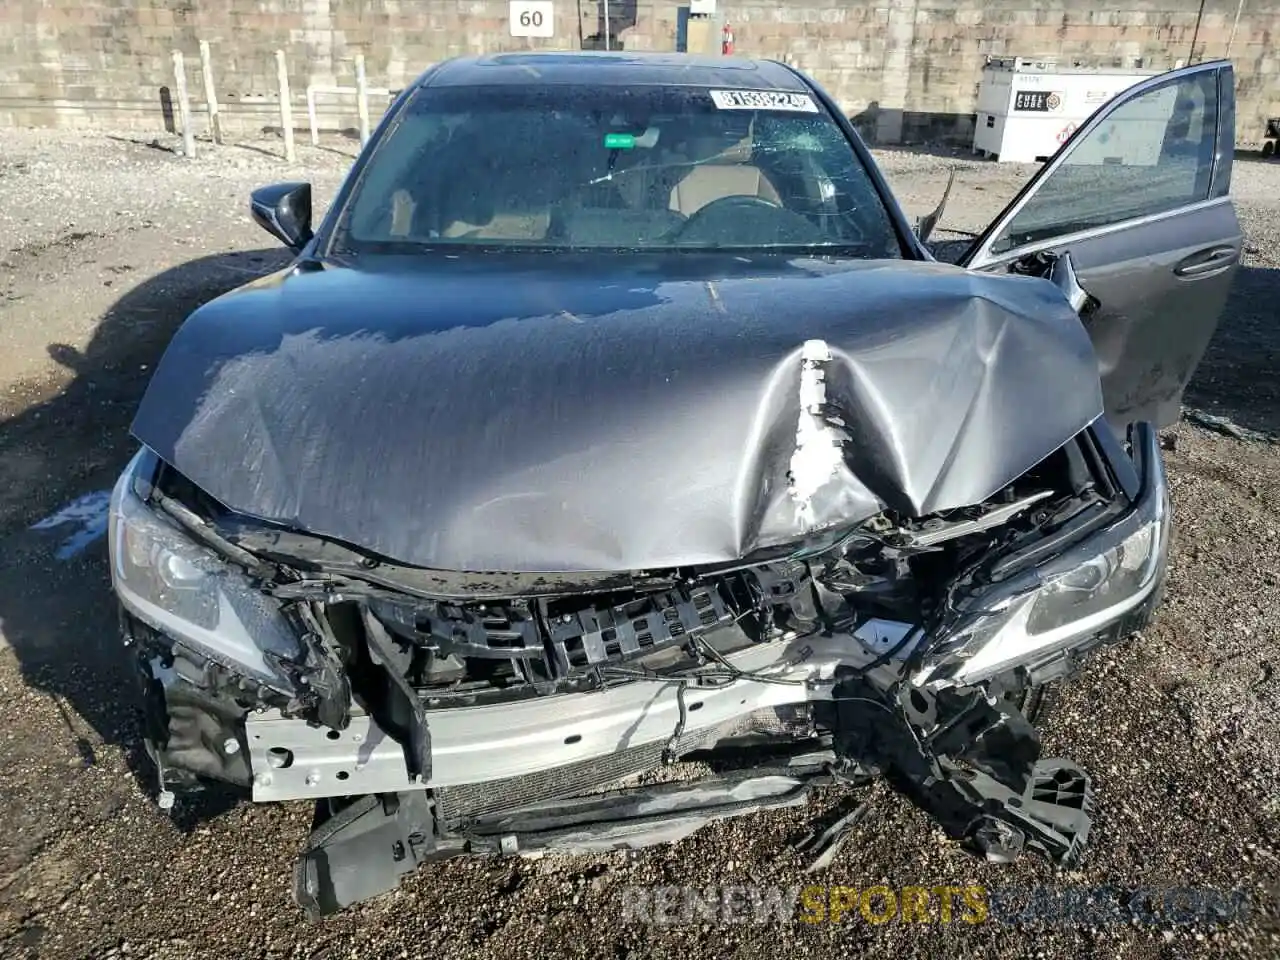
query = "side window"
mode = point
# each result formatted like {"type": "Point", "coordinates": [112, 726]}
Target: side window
{"type": "Point", "coordinates": [1151, 154]}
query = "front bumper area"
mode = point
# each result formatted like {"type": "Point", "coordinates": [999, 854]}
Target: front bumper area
{"type": "Point", "coordinates": [485, 744]}
{"type": "Point", "coordinates": [575, 771]}
{"type": "Point", "coordinates": [364, 848]}
{"type": "Point", "coordinates": [978, 771]}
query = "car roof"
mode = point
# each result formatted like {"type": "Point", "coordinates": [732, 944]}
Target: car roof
{"type": "Point", "coordinates": [601, 68]}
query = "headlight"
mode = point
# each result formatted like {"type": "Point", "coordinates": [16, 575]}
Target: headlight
{"type": "Point", "coordinates": [1069, 599]}
{"type": "Point", "coordinates": [1115, 575]}
{"type": "Point", "coordinates": [190, 593]}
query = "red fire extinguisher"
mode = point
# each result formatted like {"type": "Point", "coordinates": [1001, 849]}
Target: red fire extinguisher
{"type": "Point", "coordinates": [726, 40]}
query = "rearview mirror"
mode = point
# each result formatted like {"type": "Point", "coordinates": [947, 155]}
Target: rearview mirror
{"type": "Point", "coordinates": [284, 211]}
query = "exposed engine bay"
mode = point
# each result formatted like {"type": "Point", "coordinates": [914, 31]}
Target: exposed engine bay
{"type": "Point", "coordinates": [455, 653]}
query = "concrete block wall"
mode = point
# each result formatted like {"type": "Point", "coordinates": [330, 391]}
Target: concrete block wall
{"type": "Point", "coordinates": [906, 70]}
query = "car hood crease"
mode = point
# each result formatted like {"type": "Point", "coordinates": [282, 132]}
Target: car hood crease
{"type": "Point", "coordinates": [488, 415]}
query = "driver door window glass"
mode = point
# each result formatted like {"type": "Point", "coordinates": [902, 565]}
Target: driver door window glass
{"type": "Point", "coordinates": [1151, 154]}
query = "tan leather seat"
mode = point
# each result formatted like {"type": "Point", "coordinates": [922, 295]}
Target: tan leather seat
{"type": "Point", "coordinates": [503, 226]}
{"type": "Point", "coordinates": [729, 174]}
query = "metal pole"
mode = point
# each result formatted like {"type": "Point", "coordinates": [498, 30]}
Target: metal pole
{"type": "Point", "coordinates": [210, 95]}
{"type": "Point", "coordinates": [1234, 27]}
{"type": "Point", "coordinates": [286, 110]}
{"type": "Point", "coordinates": [184, 105]}
{"type": "Point", "coordinates": [362, 99]}
{"type": "Point", "coordinates": [312, 119]}
{"type": "Point", "coordinates": [607, 31]}
{"type": "Point", "coordinates": [1195, 35]}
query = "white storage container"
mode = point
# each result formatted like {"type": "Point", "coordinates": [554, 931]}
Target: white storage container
{"type": "Point", "coordinates": [1027, 108]}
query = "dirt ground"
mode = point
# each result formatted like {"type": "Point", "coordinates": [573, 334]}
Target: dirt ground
{"type": "Point", "coordinates": [107, 243]}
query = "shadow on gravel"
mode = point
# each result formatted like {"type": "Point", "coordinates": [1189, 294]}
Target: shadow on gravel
{"type": "Point", "coordinates": [1255, 156]}
{"type": "Point", "coordinates": [1237, 378]}
{"type": "Point", "coordinates": [57, 611]}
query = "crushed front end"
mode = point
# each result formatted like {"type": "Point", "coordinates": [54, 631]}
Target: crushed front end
{"type": "Point", "coordinates": [431, 714]}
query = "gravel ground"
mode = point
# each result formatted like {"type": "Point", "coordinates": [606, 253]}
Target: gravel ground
{"type": "Point", "coordinates": [106, 243]}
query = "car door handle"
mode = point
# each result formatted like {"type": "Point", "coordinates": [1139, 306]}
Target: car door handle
{"type": "Point", "coordinates": [1209, 261]}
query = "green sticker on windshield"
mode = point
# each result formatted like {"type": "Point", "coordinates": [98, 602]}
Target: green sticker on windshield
{"type": "Point", "coordinates": [619, 141]}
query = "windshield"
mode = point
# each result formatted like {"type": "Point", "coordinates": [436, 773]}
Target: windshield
{"type": "Point", "coordinates": [642, 167]}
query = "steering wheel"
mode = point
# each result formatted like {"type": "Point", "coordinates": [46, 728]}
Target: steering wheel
{"type": "Point", "coordinates": [730, 219]}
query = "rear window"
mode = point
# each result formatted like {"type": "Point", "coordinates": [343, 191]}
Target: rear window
{"type": "Point", "coordinates": [647, 167]}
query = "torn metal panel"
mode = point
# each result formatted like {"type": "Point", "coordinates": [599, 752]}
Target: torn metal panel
{"type": "Point", "coordinates": [193, 712]}
{"type": "Point", "coordinates": [818, 456]}
{"type": "Point", "coordinates": [444, 413]}
{"type": "Point", "coordinates": [404, 699]}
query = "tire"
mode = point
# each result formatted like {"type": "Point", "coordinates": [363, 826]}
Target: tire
{"type": "Point", "coordinates": [1268, 149]}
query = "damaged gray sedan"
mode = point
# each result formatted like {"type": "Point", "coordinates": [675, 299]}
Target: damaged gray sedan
{"type": "Point", "coordinates": [614, 416]}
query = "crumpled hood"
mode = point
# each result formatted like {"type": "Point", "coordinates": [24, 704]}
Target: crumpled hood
{"type": "Point", "coordinates": [491, 414]}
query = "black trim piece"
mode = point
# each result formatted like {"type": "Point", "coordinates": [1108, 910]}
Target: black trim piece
{"type": "Point", "coordinates": [1086, 522]}
{"type": "Point", "coordinates": [1224, 159]}
{"type": "Point", "coordinates": [417, 752]}
{"type": "Point", "coordinates": [363, 850]}
{"type": "Point", "coordinates": [1107, 445]}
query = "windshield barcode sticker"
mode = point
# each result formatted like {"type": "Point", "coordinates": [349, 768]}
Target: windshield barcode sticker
{"type": "Point", "coordinates": [763, 100]}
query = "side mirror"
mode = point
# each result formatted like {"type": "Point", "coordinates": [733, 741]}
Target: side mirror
{"type": "Point", "coordinates": [284, 211]}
